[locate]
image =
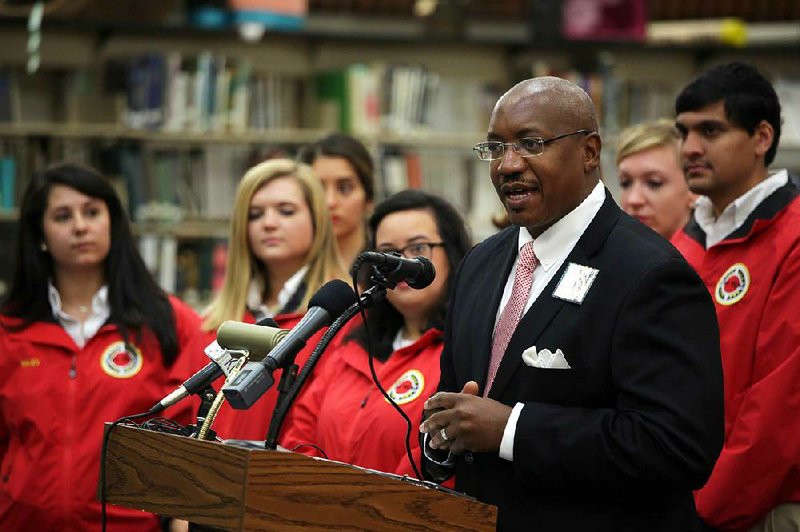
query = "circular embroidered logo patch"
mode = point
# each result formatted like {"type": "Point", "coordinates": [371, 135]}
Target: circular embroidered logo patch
{"type": "Point", "coordinates": [733, 284]}
{"type": "Point", "coordinates": [120, 363]}
{"type": "Point", "coordinates": [408, 387]}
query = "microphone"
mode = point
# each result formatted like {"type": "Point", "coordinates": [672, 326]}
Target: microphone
{"type": "Point", "coordinates": [417, 272]}
{"type": "Point", "coordinates": [255, 379]}
{"type": "Point", "coordinates": [223, 361]}
{"type": "Point", "coordinates": [255, 339]}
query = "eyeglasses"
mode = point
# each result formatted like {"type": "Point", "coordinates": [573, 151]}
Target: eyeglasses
{"type": "Point", "coordinates": [526, 147]}
{"type": "Point", "coordinates": [417, 249]}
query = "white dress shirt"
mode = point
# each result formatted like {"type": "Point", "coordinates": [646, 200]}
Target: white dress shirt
{"type": "Point", "coordinates": [735, 214]}
{"type": "Point", "coordinates": [551, 249]}
{"type": "Point", "coordinates": [255, 291]}
{"type": "Point", "coordinates": [81, 331]}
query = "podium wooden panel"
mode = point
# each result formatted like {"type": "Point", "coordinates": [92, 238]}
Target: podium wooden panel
{"type": "Point", "coordinates": [233, 488]}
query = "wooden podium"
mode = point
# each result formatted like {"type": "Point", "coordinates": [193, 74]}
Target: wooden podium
{"type": "Point", "coordinates": [234, 488]}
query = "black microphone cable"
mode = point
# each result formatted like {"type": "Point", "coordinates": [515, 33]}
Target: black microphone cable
{"type": "Point", "coordinates": [282, 409]}
{"type": "Point", "coordinates": [156, 424]}
{"type": "Point", "coordinates": [376, 380]}
{"type": "Point", "coordinates": [103, 453]}
{"type": "Point", "coordinates": [357, 307]}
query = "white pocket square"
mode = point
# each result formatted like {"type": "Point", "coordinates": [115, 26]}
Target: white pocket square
{"type": "Point", "coordinates": [544, 358]}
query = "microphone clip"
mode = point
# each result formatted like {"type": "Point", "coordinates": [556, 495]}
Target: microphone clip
{"type": "Point", "coordinates": [379, 278]}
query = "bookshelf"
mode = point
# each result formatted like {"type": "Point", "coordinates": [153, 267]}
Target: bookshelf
{"type": "Point", "coordinates": [178, 180]}
{"type": "Point", "coordinates": [418, 93]}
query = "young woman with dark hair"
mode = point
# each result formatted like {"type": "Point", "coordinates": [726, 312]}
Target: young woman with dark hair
{"type": "Point", "coordinates": [86, 337]}
{"type": "Point", "coordinates": [346, 170]}
{"type": "Point", "coordinates": [406, 332]}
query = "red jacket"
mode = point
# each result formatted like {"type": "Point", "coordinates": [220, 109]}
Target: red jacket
{"type": "Point", "coordinates": [344, 413]}
{"type": "Point", "coordinates": [754, 278]}
{"type": "Point", "coordinates": [51, 423]}
{"type": "Point", "coordinates": [253, 423]}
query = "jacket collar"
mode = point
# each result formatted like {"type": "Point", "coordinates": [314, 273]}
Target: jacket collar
{"type": "Point", "coordinates": [357, 357]}
{"type": "Point", "coordinates": [761, 217]}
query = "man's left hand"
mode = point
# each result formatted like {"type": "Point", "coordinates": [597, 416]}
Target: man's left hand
{"type": "Point", "coordinates": [470, 422]}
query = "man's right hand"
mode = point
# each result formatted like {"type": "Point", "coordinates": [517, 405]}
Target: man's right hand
{"type": "Point", "coordinates": [470, 422]}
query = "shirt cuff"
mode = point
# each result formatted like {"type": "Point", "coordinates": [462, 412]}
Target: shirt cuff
{"type": "Point", "coordinates": [507, 443]}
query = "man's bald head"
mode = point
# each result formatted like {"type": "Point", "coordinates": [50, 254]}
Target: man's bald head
{"type": "Point", "coordinates": [538, 189]}
{"type": "Point", "coordinates": [575, 107]}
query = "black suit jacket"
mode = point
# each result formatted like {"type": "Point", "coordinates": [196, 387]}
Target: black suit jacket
{"type": "Point", "coordinates": [619, 441]}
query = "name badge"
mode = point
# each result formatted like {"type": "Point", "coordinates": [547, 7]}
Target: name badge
{"type": "Point", "coordinates": [575, 283]}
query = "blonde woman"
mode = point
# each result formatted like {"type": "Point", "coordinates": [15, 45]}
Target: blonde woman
{"type": "Point", "coordinates": [654, 190]}
{"type": "Point", "coordinates": [281, 250]}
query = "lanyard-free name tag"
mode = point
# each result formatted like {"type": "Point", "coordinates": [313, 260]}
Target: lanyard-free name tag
{"type": "Point", "coordinates": [575, 283]}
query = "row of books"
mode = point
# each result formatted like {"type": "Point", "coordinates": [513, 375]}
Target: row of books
{"type": "Point", "coordinates": [193, 270]}
{"type": "Point", "coordinates": [208, 92]}
{"type": "Point", "coordinates": [173, 185]}
{"type": "Point", "coordinates": [450, 173]}
{"type": "Point", "coordinates": [370, 98]}
{"type": "Point", "coordinates": [213, 92]}
{"type": "Point", "coordinates": [159, 92]}
{"type": "Point", "coordinates": [619, 102]}
{"type": "Point", "coordinates": [199, 183]}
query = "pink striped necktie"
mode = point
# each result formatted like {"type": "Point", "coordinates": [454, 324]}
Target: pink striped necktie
{"type": "Point", "coordinates": [512, 313]}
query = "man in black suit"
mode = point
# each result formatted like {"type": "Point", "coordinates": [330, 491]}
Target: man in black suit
{"type": "Point", "coordinates": [597, 343]}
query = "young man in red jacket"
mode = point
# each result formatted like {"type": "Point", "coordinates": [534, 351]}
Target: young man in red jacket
{"type": "Point", "coordinates": [744, 241]}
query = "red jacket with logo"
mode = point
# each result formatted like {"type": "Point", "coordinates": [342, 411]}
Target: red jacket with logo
{"type": "Point", "coordinates": [253, 423]}
{"type": "Point", "coordinates": [54, 400]}
{"type": "Point", "coordinates": [754, 278]}
{"type": "Point", "coordinates": [344, 413]}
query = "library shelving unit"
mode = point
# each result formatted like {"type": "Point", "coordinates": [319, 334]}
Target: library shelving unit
{"type": "Point", "coordinates": [175, 114]}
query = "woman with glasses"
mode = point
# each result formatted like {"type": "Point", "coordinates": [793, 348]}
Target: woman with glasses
{"type": "Point", "coordinates": [342, 413]}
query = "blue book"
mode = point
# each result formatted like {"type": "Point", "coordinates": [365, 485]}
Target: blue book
{"type": "Point", "coordinates": [8, 181]}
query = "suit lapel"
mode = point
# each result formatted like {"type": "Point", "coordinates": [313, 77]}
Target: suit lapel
{"type": "Point", "coordinates": [501, 258]}
{"type": "Point", "coordinates": [546, 307]}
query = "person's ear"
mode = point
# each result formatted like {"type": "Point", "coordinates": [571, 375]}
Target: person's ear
{"type": "Point", "coordinates": [692, 199]}
{"type": "Point", "coordinates": [764, 136]}
{"type": "Point", "coordinates": [591, 152]}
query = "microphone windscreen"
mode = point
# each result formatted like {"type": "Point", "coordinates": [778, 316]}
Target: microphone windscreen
{"type": "Point", "coordinates": [334, 296]}
{"type": "Point", "coordinates": [257, 339]}
{"type": "Point", "coordinates": [426, 276]}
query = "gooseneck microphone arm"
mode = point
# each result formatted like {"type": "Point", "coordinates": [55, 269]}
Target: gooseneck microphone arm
{"type": "Point", "coordinates": [368, 298]}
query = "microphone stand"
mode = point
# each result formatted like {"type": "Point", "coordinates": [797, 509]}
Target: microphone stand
{"type": "Point", "coordinates": [287, 380]}
{"type": "Point", "coordinates": [207, 396]}
{"type": "Point", "coordinates": [368, 299]}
